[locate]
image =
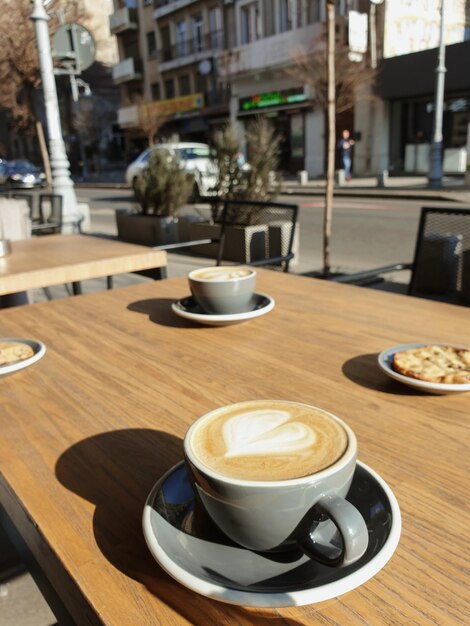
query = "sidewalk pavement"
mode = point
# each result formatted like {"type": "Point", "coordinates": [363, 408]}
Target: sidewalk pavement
{"type": "Point", "coordinates": [454, 188]}
{"type": "Point", "coordinates": [410, 187]}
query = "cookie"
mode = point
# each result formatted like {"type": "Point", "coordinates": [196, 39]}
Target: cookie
{"type": "Point", "coordinates": [14, 351]}
{"type": "Point", "coordinates": [434, 364]}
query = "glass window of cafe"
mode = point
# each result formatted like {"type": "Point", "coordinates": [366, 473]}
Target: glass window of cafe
{"type": "Point", "coordinates": [411, 123]}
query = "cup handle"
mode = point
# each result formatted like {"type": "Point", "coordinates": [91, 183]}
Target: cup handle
{"type": "Point", "coordinates": [350, 525]}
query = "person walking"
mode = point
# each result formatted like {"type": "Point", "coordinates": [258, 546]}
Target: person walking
{"type": "Point", "coordinates": [344, 146]}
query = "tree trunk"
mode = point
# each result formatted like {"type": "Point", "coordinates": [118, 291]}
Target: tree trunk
{"type": "Point", "coordinates": [44, 154]}
{"type": "Point", "coordinates": [331, 115]}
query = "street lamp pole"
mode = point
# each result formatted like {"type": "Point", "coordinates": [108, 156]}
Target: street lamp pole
{"type": "Point", "coordinates": [61, 182]}
{"type": "Point", "coordinates": [435, 157]}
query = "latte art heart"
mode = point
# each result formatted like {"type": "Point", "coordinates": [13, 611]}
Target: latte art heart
{"type": "Point", "coordinates": [268, 440]}
{"type": "Point", "coordinates": [265, 432]}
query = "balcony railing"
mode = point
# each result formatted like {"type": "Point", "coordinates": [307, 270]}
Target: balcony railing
{"type": "Point", "coordinates": [217, 97]}
{"type": "Point", "coordinates": [129, 69]}
{"type": "Point", "coordinates": [188, 47]}
{"type": "Point", "coordinates": [123, 19]}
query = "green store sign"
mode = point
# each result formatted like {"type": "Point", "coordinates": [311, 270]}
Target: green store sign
{"type": "Point", "coordinates": [272, 99]}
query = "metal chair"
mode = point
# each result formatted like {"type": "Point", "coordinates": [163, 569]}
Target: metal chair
{"type": "Point", "coordinates": [53, 223]}
{"type": "Point", "coordinates": [441, 266]}
{"type": "Point", "coordinates": [266, 231]}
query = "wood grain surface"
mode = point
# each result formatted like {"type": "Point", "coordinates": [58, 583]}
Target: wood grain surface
{"type": "Point", "coordinates": [56, 259]}
{"type": "Point", "coordinates": [86, 432]}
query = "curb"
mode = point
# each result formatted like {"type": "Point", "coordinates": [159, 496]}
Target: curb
{"type": "Point", "coordinates": [358, 192]}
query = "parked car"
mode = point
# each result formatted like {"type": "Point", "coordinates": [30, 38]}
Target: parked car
{"type": "Point", "coordinates": [23, 174]}
{"type": "Point", "coordinates": [3, 171]}
{"type": "Point", "coordinates": [194, 157]}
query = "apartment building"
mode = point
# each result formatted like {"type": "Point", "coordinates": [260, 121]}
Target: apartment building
{"type": "Point", "coordinates": [200, 62]}
{"type": "Point", "coordinates": [169, 51]}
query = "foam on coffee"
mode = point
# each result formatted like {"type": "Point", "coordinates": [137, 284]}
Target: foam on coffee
{"type": "Point", "coordinates": [221, 273]}
{"type": "Point", "coordinates": [268, 440]}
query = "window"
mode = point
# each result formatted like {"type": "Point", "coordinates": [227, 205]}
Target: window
{"type": "Point", "coordinates": [285, 21]}
{"type": "Point", "coordinates": [169, 88]}
{"type": "Point", "coordinates": [181, 39]}
{"type": "Point", "coordinates": [200, 83]}
{"type": "Point", "coordinates": [216, 28]}
{"type": "Point", "coordinates": [185, 87]}
{"type": "Point", "coordinates": [197, 26]}
{"type": "Point", "coordinates": [166, 45]}
{"type": "Point", "coordinates": [156, 94]}
{"type": "Point", "coordinates": [249, 23]}
{"type": "Point", "coordinates": [269, 21]}
{"type": "Point", "coordinates": [314, 11]}
{"type": "Point", "coordinates": [151, 45]}
{"type": "Point", "coordinates": [131, 47]}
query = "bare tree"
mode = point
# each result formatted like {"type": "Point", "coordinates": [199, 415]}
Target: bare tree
{"type": "Point", "coordinates": [150, 120]}
{"type": "Point", "coordinates": [336, 85]}
{"type": "Point", "coordinates": [330, 171]}
{"type": "Point", "coordinates": [19, 64]}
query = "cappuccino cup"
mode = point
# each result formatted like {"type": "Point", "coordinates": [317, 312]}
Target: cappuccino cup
{"type": "Point", "coordinates": [273, 475]}
{"type": "Point", "coordinates": [223, 290]}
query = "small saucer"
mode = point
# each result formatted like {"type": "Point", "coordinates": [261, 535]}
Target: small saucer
{"type": "Point", "coordinates": [385, 363]}
{"type": "Point", "coordinates": [188, 545]}
{"type": "Point", "coordinates": [189, 309]}
{"type": "Point", "coordinates": [39, 351]}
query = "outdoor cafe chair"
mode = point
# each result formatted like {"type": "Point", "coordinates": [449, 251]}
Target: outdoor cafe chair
{"type": "Point", "coordinates": [53, 223]}
{"type": "Point", "coordinates": [441, 266]}
{"type": "Point", "coordinates": [267, 232]}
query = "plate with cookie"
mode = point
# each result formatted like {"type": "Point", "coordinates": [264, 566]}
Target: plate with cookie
{"type": "Point", "coordinates": [435, 368]}
{"type": "Point", "coordinates": [16, 354]}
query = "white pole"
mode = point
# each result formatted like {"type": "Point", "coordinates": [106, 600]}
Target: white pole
{"type": "Point", "coordinates": [61, 182]}
{"type": "Point", "coordinates": [435, 157]}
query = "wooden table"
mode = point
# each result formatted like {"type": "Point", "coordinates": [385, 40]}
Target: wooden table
{"type": "Point", "coordinates": [85, 433]}
{"type": "Point", "coordinates": [56, 259]}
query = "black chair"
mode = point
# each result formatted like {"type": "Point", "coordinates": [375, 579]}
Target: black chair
{"type": "Point", "coordinates": [53, 223]}
{"type": "Point", "coordinates": [266, 231]}
{"type": "Point", "coordinates": [441, 266]}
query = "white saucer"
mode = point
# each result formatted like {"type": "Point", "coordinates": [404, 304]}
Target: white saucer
{"type": "Point", "coordinates": [188, 546]}
{"type": "Point", "coordinates": [189, 309]}
{"type": "Point", "coordinates": [39, 351]}
{"type": "Point", "coordinates": [385, 363]}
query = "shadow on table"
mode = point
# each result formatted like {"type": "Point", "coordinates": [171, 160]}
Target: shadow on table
{"type": "Point", "coordinates": [118, 487]}
{"type": "Point", "coordinates": [159, 311]}
{"type": "Point", "coordinates": [364, 370]}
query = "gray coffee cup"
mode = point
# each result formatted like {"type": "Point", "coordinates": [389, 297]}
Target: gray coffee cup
{"type": "Point", "coordinates": [310, 512]}
{"type": "Point", "coordinates": [223, 290]}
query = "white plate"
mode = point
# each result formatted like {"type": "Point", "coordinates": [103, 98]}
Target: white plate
{"type": "Point", "coordinates": [39, 351]}
{"type": "Point", "coordinates": [385, 364]}
{"type": "Point", "coordinates": [190, 310]}
{"type": "Point", "coordinates": [194, 552]}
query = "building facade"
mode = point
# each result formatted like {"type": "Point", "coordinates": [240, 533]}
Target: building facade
{"type": "Point", "coordinates": [203, 62]}
{"type": "Point", "coordinates": [199, 63]}
{"type": "Point", "coordinates": [399, 127]}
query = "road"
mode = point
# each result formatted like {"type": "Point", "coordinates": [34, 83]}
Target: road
{"type": "Point", "coordinates": [366, 232]}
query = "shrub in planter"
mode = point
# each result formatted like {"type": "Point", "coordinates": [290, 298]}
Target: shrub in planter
{"type": "Point", "coordinates": [160, 191]}
{"type": "Point", "coordinates": [164, 186]}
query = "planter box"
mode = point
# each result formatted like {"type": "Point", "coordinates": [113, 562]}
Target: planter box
{"type": "Point", "coordinates": [243, 244]}
{"type": "Point", "coordinates": [147, 230]}
{"type": "Point", "coordinates": [204, 230]}
{"type": "Point", "coordinates": [184, 226]}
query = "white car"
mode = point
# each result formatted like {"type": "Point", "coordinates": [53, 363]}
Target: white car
{"type": "Point", "coordinates": [194, 157]}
